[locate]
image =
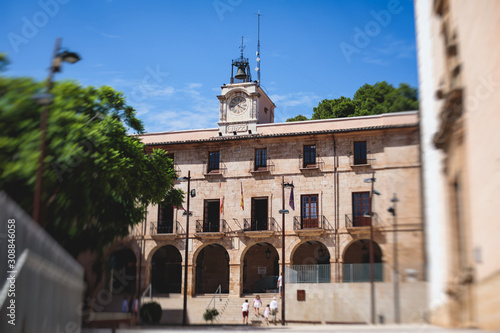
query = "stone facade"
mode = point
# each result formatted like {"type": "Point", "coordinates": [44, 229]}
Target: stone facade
{"type": "Point", "coordinates": [459, 70]}
{"type": "Point", "coordinates": [237, 248]}
{"type": "Point", "coordinates": [239, 236]}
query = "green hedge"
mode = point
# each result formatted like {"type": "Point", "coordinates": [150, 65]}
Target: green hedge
{"type": "Point", "coordinates": [150, 313]}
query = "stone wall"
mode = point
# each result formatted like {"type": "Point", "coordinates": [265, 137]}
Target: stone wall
{"type": "Point", "coordinates": [350, 302]}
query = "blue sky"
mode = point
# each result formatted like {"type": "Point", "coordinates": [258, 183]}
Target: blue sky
{"type": "Point", "coordinates": [171, 57]}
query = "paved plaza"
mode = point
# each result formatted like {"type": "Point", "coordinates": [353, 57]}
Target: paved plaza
{"type": "Point", "coordinates": [299, 329]}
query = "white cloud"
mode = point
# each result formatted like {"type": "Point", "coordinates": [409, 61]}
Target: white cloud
{"type": "Point", "coordinates": [294, 99]}
{"type": "Point", "coordinates": [181, 108]}
{"type": "Point", "coordinates": [155, 91]}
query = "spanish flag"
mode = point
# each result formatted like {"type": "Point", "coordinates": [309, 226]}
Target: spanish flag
{"type": "Point", "coordinates": [242, 204]}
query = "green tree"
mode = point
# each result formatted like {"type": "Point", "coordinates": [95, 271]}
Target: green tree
{"type": "Point", "coordinates": [4, 61]}
{"type": "Point", "coordinates": [383, 98]}
{"type": "Point", "coordinates": [297, 118]}
{"type": "Point", "coordinates": [378, 98]}
{"type": "Point", "coordinates": [97, 179]}
{"type": "Point", "coordinates": [334, 108]}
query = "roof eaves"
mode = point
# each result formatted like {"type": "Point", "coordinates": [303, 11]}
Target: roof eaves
{"type": "Point", "coordinates": [261, 136]}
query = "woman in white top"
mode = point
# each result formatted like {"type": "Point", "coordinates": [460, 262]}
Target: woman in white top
{"type": "Point", "coordinates": [257, 302]}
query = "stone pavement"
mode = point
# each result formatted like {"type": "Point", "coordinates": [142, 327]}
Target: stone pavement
{"type": "Point", "coordinates": [294, 328]}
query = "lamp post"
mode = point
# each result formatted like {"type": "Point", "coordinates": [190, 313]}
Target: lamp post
{"type": "Point", "coordinates": [393, 211]}
{"type": "Point", "coordinates": [283, 211]}
{"type": "Point", "coordinates": [372, 254]}
{"type": "Point", "coordinates": [46, 99]}
{"type": "Point", "coordinates": [184, 307]}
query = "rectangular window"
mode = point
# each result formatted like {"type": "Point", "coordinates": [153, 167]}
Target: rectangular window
{"type": "Point", "coordinates": [165, 219]}
{"type": "Point", "coordinates": [259, 214]}
{"type": "Point", "coordinates": [360, 152]}
{"type": "Point", "coordinates": [310, 156]}
{"type": "Point", "coordinates": [360, 207]}
{"type": "Point", "coordinates": [260, 159]}
{"type": "Point", "coordinates": [213, 161]}
{"type": "Point", "coordinates": [309, 209]}
{"type": "Point", "coordinates": [211, 216]}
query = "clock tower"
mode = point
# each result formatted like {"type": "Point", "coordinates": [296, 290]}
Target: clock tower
{"type": "Point", "coordinates": [242, 103]}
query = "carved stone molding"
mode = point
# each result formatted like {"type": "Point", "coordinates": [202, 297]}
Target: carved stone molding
{"type": "Point", "coordinates": [451, 112]}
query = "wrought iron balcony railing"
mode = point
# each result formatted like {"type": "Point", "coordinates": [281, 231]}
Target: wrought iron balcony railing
{"type": "Point", "coordinates": [253, 224]}
{"type": "Point", "coordinates": [166, 227]}
{"type": "Point", "coordinates": [353, 221]}
{"type": "Point", "coordinates": [318, 222]}
{"type": "Point", "coordinates": [210, 225]}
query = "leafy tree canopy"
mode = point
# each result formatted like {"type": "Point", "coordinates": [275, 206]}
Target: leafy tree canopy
{"type": "Point", "coordinates": [97, 180]}
{"type": "Point", "coordinates": [298, 118]}
{"type": "Point", "coordinates": [4, 61]}
{"type": "Point", "coordinates": [378, 98]}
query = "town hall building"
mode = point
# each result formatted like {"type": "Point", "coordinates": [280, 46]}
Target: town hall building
{"type": "Point", "coordinates": [327, 186]}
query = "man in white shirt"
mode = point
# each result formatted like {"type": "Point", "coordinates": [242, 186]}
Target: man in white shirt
{"type": "Point", "coordinates": [244, 312]}
{"type": "Point", "coordinates": [274, 309]}
{"type": "Point", "coordinates": [280, 283]}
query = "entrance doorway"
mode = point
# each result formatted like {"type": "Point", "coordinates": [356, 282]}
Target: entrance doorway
{"type": "Point", "coordinates": [212, 269]}
{"type": "Point", "coordinates": [166, 270]}
{"type": "Point", "coordinates": [121, 269]}
{"type": "Point", "coordinates": [260, 269]}
{"type": "Point", "coordinates": [356, 267]}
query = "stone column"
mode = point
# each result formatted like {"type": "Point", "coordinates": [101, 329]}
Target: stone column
{"type": "Point", "coordinates": [235, 281]}
{"type": "Point", "coordinates": [333, 270]}
{"type": "Point", "coordinates": [190, 279]}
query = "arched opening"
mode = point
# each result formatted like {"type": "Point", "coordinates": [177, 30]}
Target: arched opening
{"type": "Point", "coordinates": [166, 270]}
{"type": "Point", "coordinates": [356, 267]}
{"type": "Point", "coordinates": [311, 264]}
{"type": "Point", "coordinates": [212, 269]}
{"type": "Point", "coordinates": [260, 269]}
{"type": "Point", "coordinates": [121, 271]}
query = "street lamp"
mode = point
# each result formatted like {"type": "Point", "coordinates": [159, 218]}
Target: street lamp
{"type": "Point", "coordinates": [46, 99]}
{"type": "Point", "coordinates": [184, 307]}
{"type": "Point", "coordinates": [372, 255]}
{"type": "Point", "coordinates": [283, 211]}
{"type": "Point", "coordinates": [393, 211]}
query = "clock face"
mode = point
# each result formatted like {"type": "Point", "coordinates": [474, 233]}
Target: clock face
{"type": "Point", "coordinates": [238, 105]}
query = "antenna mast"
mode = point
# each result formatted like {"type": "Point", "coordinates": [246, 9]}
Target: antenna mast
{"type": "Point", "coordinates": [258, 49]}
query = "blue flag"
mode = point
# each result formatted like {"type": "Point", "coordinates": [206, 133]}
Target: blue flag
{"type": "Point", "coordinates": [291, 202]}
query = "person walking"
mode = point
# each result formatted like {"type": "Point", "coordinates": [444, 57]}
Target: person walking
{"type": "Point", "coordinates": [125, 304]}
{"type": "Point", "coordinates": [257, 302]}
{"type": "Point", "coordinates": [135, 310]}
{"type": "Point", "coordinates": [274, 309]}
{"type": "Point", "coordinates": [280, 283]}
{"type": "Point", "coordinates": [266, 314]}
{"type": "Point", "coordinates": [244, 312]}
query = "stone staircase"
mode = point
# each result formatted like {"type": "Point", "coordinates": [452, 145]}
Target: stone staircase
{"type": "Point", "coordinates": [229, 308]}
{"type": "Point", "coordinates": [231, 313]}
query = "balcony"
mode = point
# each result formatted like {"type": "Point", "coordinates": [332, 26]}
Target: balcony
{"type": "Point", "coordinates": [210, 228]}
{"type": "Point", "coordinates": [166, 230]}
{"type": "Point", "coordinates": [255, 228]}
{"type": "Point", "coordinates": [317, 166]}
{"type": "Point", "coordinates": [214, 171]}
{"type": "Point", "coordinates": [260, 170]}
{"type": "Point", "coordinates": [361, 224]}
{"type": "Point", "coordinates": [310, 226]}
{"type": "Point", "coordinates": [363, 162]}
